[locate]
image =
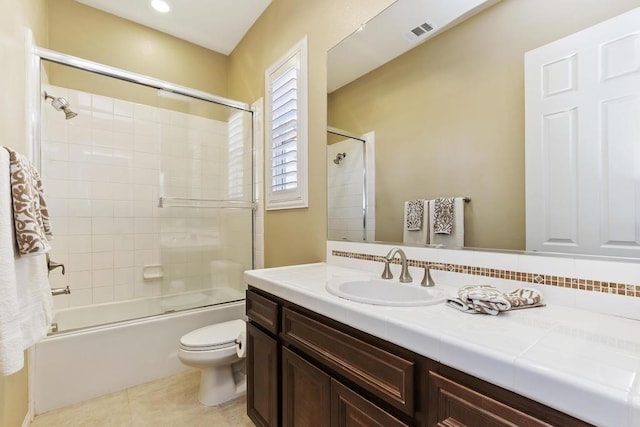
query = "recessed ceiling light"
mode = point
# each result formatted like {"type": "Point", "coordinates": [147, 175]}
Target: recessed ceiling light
{"type": "Point", "coordinates": [160, 5]}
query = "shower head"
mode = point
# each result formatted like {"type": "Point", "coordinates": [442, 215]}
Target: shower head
{"type": "Point", "coordinates": [339, 158]}
{"type": "Point", "coordinates": [61, 104]}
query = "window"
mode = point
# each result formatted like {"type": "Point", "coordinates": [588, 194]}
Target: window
{"type": "Point", "coordinates": [286, 130]}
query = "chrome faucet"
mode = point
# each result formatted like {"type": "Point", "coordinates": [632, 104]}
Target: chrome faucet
{"type": "Point", "coordinates": [405, 277]}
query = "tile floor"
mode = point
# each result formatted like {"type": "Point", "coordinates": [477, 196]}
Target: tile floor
{"type": "Point", "coordinates": [170, 401]}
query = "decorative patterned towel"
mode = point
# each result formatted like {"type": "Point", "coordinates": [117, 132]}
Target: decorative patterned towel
{"type": "Point", "coordinates": [443, 215]}
{"type": "Point", "coordinates": [487, 299]}
{"type": "Point", "coordinates": [30, 214]}
{"type": "Point", "coordinates": [415, 213]}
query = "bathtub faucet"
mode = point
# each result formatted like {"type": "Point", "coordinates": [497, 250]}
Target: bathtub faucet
{"type": "Point", "coordinates": [60, 291]}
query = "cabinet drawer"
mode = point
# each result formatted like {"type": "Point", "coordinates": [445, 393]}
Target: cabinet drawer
{"type": "Point", "coordinates": [263, 311]}
{"type": "Point", "coordinates": [350, 409]}
{"type": "Point", "coordinates": [455, 404]}
{"type": "Point", "coordinates": [380, 372]}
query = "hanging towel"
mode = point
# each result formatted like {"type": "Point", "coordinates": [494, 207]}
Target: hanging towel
{"type": "Point", "coordinates": [443, 219]}
{"type": "Point", "coordinates": [412, 233]}
{"type": "Point", "coordinates": [414, 215]}
{"type": "Point", "coordinates": [25, 292]}
{"type": "Point", "coordinates": [455, 238]}
{"type": "Point", "coordinates": [31, 217]}
{"type": "Point", "coordinates": [486, 299]}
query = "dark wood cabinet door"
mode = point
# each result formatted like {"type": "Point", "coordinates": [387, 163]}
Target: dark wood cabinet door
{"type": "Point", "coordinates": [306, 392]}
{"type": "Point", "coordinates": [262, 378]}
{"type": "Point", "coordinates": [349, 409]}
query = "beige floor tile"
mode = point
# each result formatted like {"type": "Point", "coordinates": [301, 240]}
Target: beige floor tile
{"type": "Point", "coordinates": [171, 401]}
{"type": "Point", "coordinates": [111, 410]}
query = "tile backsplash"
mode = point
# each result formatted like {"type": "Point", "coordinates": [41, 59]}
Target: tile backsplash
{"type": "Point", "coordinates": [575, 283]}
{"type": "Point", "coordinates": [608, 286]}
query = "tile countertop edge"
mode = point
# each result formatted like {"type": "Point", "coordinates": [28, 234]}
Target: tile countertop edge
{"type": "Point", "coordinates": [299, 285]}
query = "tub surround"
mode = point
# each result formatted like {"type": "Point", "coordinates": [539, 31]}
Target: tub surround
{"type": "Point", "coordinates": [577, 361]}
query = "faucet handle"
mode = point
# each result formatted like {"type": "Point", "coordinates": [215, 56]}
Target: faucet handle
{"type": "Point", "coordinates": [53, 265]}
{"type": "Point", "coordinates": [427, 280]}
{"type": "Point", "coordinates": [386, 274]}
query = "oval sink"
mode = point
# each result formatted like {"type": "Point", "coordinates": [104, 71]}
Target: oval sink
{"type": "Point", "coordinates": [385, 292]}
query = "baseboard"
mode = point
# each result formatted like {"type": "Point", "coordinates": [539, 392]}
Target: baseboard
{"type": "Point", "coordinates": [27, 419]}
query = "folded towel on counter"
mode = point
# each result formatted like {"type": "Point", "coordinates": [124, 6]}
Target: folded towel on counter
{"type": "Point", "coordinates": [30, 215]}
{"type": "Point", "coordinates": [487, 299]}
{"type": "Point", "coordinates": [415, 213]}
{"type": "Point", "coordinates": [443, 215]}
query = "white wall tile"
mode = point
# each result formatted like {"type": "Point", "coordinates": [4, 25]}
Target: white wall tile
{"type": "Point", "coordinates": [102, 260]}
{"type": "Point", "coordinates": [123, 259]}
{"type": "Point", "coordinates": [103, 294]}
{"type": "Point", "coordinates": [79, 244]}
{"type": "Point", "coordinates": [79, 226]}
{"type": "Point", "coordinates": [102, 277]}
{"type": "Point", "coordinates": [80, 280]}
{"type": "Point", "coordinates": [102, 243]}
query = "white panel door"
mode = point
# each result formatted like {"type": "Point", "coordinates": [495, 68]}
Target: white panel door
{"type": "Point", "coordinates": [582, 99]}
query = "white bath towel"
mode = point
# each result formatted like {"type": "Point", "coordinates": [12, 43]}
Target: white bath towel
{"type": "Point", "coordinates": [455, 239]}
{"type": "Point", "coordinates": [25, 302]}
{"type": "Point", "coordinates": [409, 234]}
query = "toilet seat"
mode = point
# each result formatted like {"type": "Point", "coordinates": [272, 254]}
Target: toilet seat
{"type": "Point", "coordinates": [213, 337]}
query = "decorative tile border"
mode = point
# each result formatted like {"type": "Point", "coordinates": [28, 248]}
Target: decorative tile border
{"type": "Point", "coordinates": [537, 278]}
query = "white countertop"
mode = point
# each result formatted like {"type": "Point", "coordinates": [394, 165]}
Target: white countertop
{"type": "Point", "coordinates": [579, 362]}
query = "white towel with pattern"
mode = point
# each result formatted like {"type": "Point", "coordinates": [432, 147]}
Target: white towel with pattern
{"type": "Point", "coordinates": [486, 299]}
{"type": "Point", "coordinates": [25, 302]}
{"type": "Point", "coordinates": [415, 226]}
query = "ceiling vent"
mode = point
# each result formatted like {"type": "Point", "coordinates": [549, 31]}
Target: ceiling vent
{"type": "Point", "coordinates": [419, 31]}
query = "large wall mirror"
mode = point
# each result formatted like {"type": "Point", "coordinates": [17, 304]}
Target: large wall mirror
{"type": "Point", "coordinates": [446, 114]}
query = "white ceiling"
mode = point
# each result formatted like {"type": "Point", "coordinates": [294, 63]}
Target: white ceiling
{"type": "Point", "coordinates": [385, 36]}
{"type": "Point", "coordinates": [218, 25]}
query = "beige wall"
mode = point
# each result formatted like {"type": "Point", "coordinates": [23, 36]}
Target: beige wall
{"type": "Point", "coordinates": [91, 34]}
{"type": "Point", "coordinates": [449, 115]}
{"type": "Point", "coordinates": [298, 235]}
{"type": "Point", "coordinates": [15, 15]}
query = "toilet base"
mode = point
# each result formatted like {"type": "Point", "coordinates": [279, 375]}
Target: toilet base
{"type": "Point", "coordinates": [220, 385]}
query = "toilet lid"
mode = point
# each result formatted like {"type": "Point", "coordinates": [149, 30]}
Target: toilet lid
{"type": "Point", "coordinates": [213, 336]}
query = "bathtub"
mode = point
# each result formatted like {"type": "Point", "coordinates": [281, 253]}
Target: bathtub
{"type": "Point", "coordinates": [81, 362]}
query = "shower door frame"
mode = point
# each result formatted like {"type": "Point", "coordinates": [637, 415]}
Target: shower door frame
{"type": "Point", "coordinates": [40, 53]}
{"type": "Point", "coordinates": [37, 54]}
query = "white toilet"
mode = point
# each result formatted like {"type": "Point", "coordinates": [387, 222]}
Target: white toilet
{"type": "Point", "coordinates": [217, 351]}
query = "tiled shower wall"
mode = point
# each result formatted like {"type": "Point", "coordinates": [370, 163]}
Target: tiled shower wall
{"type": "Point", "coordinates": [104, 172]}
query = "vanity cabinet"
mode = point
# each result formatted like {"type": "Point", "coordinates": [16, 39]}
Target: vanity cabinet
{"type": "Point", "coordinates": [307, 370]}
{"type": "Point", "coordinates": [262, 360]}
{"type": "Point", "coordinates": [262, 368]}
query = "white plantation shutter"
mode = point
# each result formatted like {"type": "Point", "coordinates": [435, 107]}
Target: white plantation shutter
{"type": "Point", "coordinates": [238, 127]}
{"type": "Point", "coordinates": [286, 130]}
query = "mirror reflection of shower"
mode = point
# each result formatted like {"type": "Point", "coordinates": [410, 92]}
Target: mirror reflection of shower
{"type": "Point", "coordinates": [61, 104]}
{"type": "Point", "coordinates": [350, 185]}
